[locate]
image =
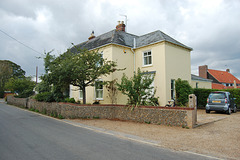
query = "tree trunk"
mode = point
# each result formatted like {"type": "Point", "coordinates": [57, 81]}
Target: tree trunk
{"type": "Point", "coordinates": [84, 95]}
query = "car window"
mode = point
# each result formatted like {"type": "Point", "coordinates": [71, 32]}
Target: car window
{"type": "Point", "coordinates": [217, 96]}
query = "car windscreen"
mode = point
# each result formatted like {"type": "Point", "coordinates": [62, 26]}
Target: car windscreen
{"type": "Point", "coordinates": [217, 96]}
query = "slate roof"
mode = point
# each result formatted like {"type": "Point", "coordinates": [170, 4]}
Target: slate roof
{"type": "Point", "coordinates": [197, 78]}
{"type": "Point", "coordinates": [126, 39]}
{"type": "Point", "coordinates": [223, 76]}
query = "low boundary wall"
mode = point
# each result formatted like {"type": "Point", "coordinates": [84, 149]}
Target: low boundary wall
{"type": "Point", "coordinates": [171, 116]}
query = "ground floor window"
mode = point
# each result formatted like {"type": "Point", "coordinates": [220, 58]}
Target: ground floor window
{"type": "Point", "coordinates": [172, 89]}
{"type": "Point", "coordinates": [99, 89]}
{"type": "Point", "coordinates": [196, 84]}
{"type": "Point", "coordinates": [80, 94]}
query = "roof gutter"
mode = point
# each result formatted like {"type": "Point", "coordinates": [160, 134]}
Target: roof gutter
{"type": "Point", "coordinates": [133, 51]}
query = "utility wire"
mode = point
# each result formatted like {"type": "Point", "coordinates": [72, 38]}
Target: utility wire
{"type": "Point", "coordinates": [20, 42]}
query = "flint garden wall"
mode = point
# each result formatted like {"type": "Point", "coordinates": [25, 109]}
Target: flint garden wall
{"type": "Point", "coordinates": [171, 116]}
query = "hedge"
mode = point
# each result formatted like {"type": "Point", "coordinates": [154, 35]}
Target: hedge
{"type": "Point", "coordinates": [202, 95]}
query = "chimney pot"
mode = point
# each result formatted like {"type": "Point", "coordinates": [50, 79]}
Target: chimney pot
{"type": "Point", "coordinates": [121, 26]}
{"type": "Point", "coordinates": [91, 36]}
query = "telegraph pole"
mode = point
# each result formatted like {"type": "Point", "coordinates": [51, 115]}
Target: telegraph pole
{"type": "Point", "coordinates": [36, 74]}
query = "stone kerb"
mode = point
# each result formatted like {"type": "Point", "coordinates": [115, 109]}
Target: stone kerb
{"type": "Point", "coordinates": [171, 116]}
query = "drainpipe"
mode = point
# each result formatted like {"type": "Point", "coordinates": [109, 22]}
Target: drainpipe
{"type": "Point", "coordinates": [132, 49]}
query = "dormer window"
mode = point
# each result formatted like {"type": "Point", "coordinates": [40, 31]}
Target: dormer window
{"type": "Point", "coordinates": [147, 58]}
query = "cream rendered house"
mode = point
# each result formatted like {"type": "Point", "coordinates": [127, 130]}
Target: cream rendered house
{"type": "Point", "coordinates": [155, 52]}
{"type": "Point", "coordinates": [199, 82]}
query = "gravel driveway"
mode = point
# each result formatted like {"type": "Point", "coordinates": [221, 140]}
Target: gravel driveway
{"type": "Point", "coordinates": [220, 139]}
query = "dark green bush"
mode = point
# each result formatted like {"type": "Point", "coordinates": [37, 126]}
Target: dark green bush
{"type": "Point", "coordinates": [69, 100]}
{"type": "Point", "coordinates": [236, 94]}
{"type": "Point", "coordinates": [96, 102]}
{"type": "Point", "coordinates": [183, 89]}
{"type": "Point", "coordinates": [202, 95]}
{"type": "Point", "coordinates": [45, 96]}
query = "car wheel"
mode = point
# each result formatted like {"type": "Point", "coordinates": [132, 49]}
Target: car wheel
{"type": "Point", "coordinates": [235, 109]}
{"type": "Point", "coordinates": [207, 111]}
{"type": "Point", "coordinates": [229, 111]}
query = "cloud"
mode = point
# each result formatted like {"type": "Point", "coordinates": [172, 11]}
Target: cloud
{"type": "Point", "coordinates": [211, 28]}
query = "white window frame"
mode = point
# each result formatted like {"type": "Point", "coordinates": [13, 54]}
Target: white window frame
{"type": "Point", "coordinates": [97, 90]}
{"type": "Point", "coordinates": [172, 89]}
{"type": "Point", "coordinates": [80, 91]}
{"type": "Point", "coordinates": [98, 64]}
{"type": "Point", "coordinates": [143, 58]}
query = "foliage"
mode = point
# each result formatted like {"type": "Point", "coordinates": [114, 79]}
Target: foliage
{"type": "Point", "coordinates": [9, 70]}
{"type": "Point", "coordinates": [70, 100]}
{"type": "Point", "coordinates": [22, 86]}
{"type": "Point", "coordinates": [183, 89]}
{"type": "Point", "coordinates": [96, 102]}
{"type": "Point", "coordinates": [202, 95]}
{"type": "Point", "coordinates": [152, 101]}
{"type": "Point", "coordinates": [236, 94]}
{"type": "Point", "coordinates": [112, 90]}
{"type": "Point", "coordinates": [77, 67]}
{"type": "Point", "coordinates": [43, 86]}
{"type": "Point", "coordinates": [138, 88]}
{"type": "Point", "coordinates": [44, 96]}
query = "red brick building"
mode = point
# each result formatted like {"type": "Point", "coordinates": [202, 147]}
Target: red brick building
{"type": "Point", "coordinates": [221, 79]}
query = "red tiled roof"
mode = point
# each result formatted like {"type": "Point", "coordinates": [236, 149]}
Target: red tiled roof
{"type": "Point", "coordinates": [221, 86]}
{"type": "Point", "coordinates": [223, 76]}
{"type": "Point", "coordinates": [218, 86]}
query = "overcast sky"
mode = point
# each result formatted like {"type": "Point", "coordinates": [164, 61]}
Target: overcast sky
{"type": "Point", "coordinates": [210, 27]}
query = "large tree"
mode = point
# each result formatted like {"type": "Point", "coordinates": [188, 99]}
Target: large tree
{"type": "Point", "coordinates": [9, 70]}
{"type": "Point", "coordinates": [22, 86]}
{"type": "Point", "coordinates": [79, 67]}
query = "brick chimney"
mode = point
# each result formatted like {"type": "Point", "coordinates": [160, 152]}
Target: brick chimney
{"type": "Point", "coordinates": [121, 26]}
{"type": "Point", "coordinates": [228, 70]}
{"type": "Point", "coordinates": [91, 36]}
{"type": "Point", "coordinates": [202, 70]}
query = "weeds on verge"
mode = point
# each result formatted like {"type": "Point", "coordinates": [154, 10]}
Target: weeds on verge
{"type": "Point", "coordinates": [148, 122]}
{"type": "Point", "coordinates": [55, 115]}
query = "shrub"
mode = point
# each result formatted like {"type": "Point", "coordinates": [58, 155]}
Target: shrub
{"type": "Point", "coordinates": [236, 94]}
{"type": "Point", "coordinates": [139, 88]}
{"type": "Point", "coordinates": [69, 100]}
{"type": "Point", "coordinates": [183, 89]}
{"type": "Point", "coordinates": [45, 96]}
{"type": "Point", "coordinates": [202, 95]}
{"type": "Point", "coordinates": [22, 86]}
{"type": "Point", "coordinates": [43, 86]}
{"type": "Point", "coordinates": [96, 102]}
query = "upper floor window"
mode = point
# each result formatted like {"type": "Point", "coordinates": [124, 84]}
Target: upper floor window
{"type": "Point", "coordinates": [100, 63]}
{"type": "Point", "coordinates": [147, 58]}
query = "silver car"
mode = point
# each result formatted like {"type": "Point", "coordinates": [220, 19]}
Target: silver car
{"type": "Point", "coordinates": [221, 101]}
